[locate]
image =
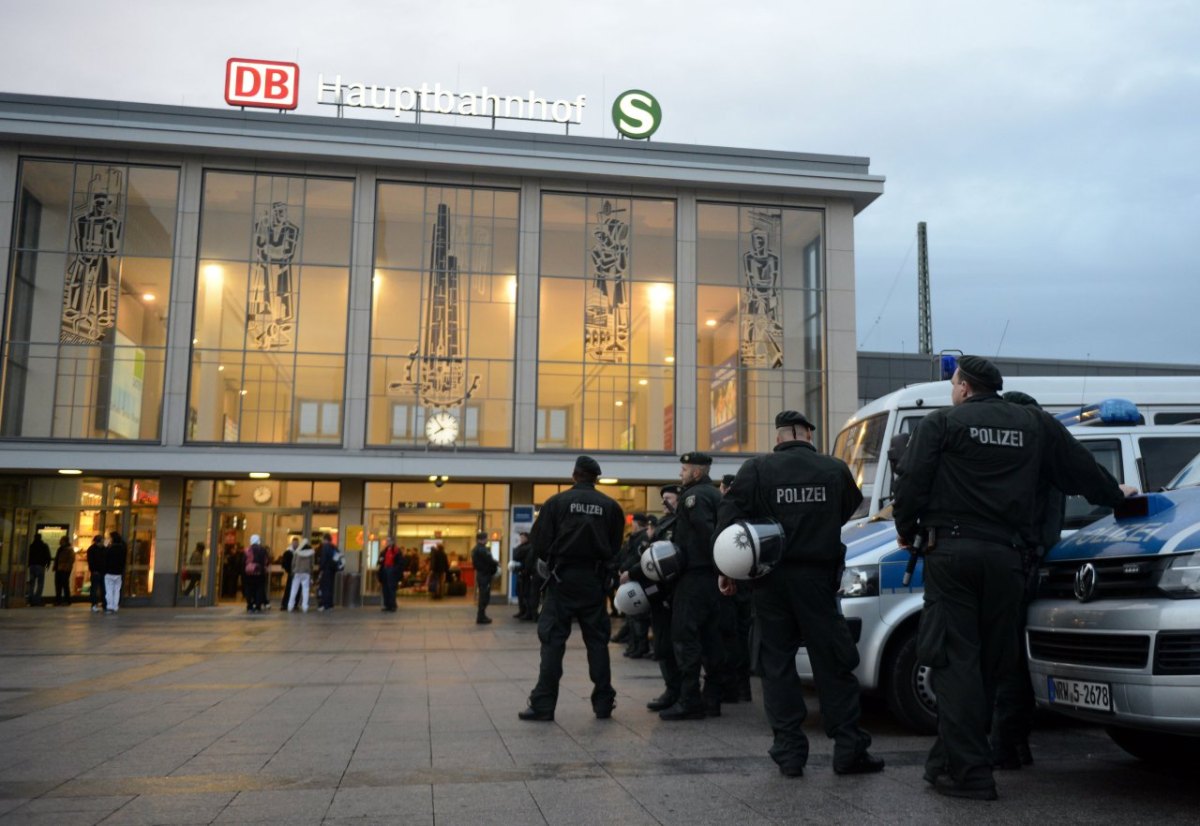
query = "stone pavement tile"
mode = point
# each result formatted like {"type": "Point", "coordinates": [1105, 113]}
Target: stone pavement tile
{"type": "Point", "coordinates": [278, 806]}
{"type": "Point", "coordinates": [9, 803]}
{"type": "Point", "coordinates": [401, 803]}
{"type": "Point", "coordinates": [513, 798]}
{"type": "Point", "coordinates": [51, 804]}
{"type": "Point", "coordinates": [150, 809]}
{"type": "Point", "coordinates": [17, 818]}
{"type": "Point", "coordinates": [206, 763]}
{"type": "Point", "coordinates": [496, 817]}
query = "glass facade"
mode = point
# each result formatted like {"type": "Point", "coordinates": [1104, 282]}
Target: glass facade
{"type": "Point", "coordinates": [759, 322]}
{"type": "Point", "coordinates": [443, 317]}
{"type": "Point", "coordinates": [606, 324]}
{"type": "Point", "coordinates": [89, 291]}
{"type": "Point", "coordinates": [272, 290]}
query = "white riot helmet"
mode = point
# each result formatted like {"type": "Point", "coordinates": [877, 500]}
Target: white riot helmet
{"type": "Point", "coordinates": [662, 561]}
{"type": "Point", "coordinates": [631, 599]}
{"type": "Point", "coordinates": [749, 549]}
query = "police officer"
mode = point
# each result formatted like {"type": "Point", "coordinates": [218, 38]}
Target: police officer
{"type": "Point", "coordinates": [577, 533]}
{"type": "Point", "coordinates": [1014, 691]}
{"type": "Point", "coordinates": [968, 485]}
{"type": "Point", "coordinates": [695, 607]}
{"type": "Point", "coordinates": [811, 497]}
{"type": "Point", "coordinates": [660, 605]}
{"type": "Point", "coordinates": [638, 641]}
{"type": "Point", "coordinates": [737, 623]}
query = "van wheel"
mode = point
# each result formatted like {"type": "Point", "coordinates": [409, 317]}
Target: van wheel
{"type": "Point", "coordinates": [1157, 746]}
{"type": "Point", "coordinates": [908, 689]}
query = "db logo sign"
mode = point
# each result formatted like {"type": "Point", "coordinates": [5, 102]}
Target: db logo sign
{"type": "Point", "coordinates": [268, 84]}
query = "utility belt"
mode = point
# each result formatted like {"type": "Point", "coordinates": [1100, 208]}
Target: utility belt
{"type": "Point", "coordinates": [953, 531]}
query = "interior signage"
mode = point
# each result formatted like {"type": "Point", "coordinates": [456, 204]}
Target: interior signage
{"type": "Point", "coordinates": [267, 84]}
{"type": "Point", "coordinates": [438, 100]}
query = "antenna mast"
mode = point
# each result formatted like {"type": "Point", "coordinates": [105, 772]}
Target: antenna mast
{"type": "Point", "coordinates": [924, 319]}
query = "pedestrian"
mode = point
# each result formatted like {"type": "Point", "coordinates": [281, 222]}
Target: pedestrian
{"type": "Point", "coordinates": [439, 569]}
{"type": "Point", "coordinates": [254, 579]}
{"type": "Point", "coordinates": [95, 563]}
{"type": "Point", "coordinates": [115, 555]}
{"type": "Point", "coordinates": [303, 561]}
{"type": "Point", "coordinates": [287, 562]}
{"type": "Point", "coordinates": [968, 486]}
{"type": "Point", "coordinates": [193, 571]}
{"type": "Point", "coordinates": [485, 569]}
{"type": "Point", "coordinates": [577, 533]}
{"type": "Point", "coordinates": [811, 496]}
{"type": "Point", "coordinates": [695, 606]}
{"type": "Point", "coordinates": [64, 561]}
{"type": "Point", "coordinates": [330, 559]}
{"type": "Point", "coordinates": [1013, 720]}
{"type": "Point", "coordinates": [38, 561]}
{"type": "Point", "coordinates": [523, 561]}
{"type": "Point", "coordinates": [390, 564]}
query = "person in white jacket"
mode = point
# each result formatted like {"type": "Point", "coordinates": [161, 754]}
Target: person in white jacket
{"type": "Point", "coordinates": [302, 568]}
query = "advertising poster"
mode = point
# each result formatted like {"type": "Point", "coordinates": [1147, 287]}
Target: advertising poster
{"type": "Point", "coordinates": [724, 401]}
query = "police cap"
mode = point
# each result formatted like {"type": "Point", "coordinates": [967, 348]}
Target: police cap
{"type": "Point", "coordinates": [695, 458]}
{"type": "Point", "coordinates": [675, 489]}
{"type": "Point", "coordinates": [640, 518]}
{"type": "Point", "coordinates": [981, 373]}
{"type": "Point", "coordinates": [793, 418]}
{"type": "Point", "coordinates": [588, 465]}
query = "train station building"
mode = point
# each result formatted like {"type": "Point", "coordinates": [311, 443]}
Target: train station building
{"type": "Point", "coordinates": [220, 323]}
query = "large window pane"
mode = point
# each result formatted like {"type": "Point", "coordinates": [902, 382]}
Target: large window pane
{"type": "Point", "coordinates": [272, 292]}
{"type": "Point", "coordinates": [443, 316]}
{"type": "Point", "coordinates": [89, 294]}
{"type": "Point", "coordinates": [606, 335]}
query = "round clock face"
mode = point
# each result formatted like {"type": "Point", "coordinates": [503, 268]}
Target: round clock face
{"type": "Point", "coordinates": [442, 428]}
{"type": "Point", "coordinates": [262, 494]}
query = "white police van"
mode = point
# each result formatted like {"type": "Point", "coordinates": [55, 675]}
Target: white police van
{"type": "Point", "coordinates": [1114, 635]}
{"type": "Point", "coordinates": [883, 613]}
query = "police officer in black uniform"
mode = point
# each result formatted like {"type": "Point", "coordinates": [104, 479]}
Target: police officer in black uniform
{"type": "Point", "coordinates": [660, 604]}
{"type": "Point", "coordinates": [737, 623]}
{"type": "Point", "coordinates": [577, 533]}
{"type": "Point", "coordinates": [968, 486]}
{"type": "Point", "coordinates": [695, 607]}
{"type": "Point", "coordinates": [637, 643]}
{"type": "Point", "coordinates": [811, 496]}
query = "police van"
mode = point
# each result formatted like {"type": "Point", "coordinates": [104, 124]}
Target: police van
{"type": "Point", "coordinates": [1114, 634]}
{"type": "Point", "coordinates": [883, 612]}
{"type": "Point", "coordinates": [863, 441]}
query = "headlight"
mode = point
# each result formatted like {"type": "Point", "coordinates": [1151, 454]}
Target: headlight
{"type": "Point", "coordinates": [1181, 578]}
{"type": "Point", "coordinates": [860, 581]}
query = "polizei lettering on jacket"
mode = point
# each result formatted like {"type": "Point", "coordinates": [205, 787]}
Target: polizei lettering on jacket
{"type": "Point", "coordinates": [590, 510]}
{"type": "Point", "coordinates": [998, 436]}
{"type": "Point", "coordinates": [798, 494]}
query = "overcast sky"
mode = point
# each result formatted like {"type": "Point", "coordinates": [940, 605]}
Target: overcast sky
{"type": "Point", "coordinates": [1052, 147]}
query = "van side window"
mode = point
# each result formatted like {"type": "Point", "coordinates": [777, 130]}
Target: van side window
{"type": "Point", "coordinates": [1079, 511]}
{"type": "Point", "coordinates": [1163, 457]}
{"type": "Point", "coordinates": [1177, 417]}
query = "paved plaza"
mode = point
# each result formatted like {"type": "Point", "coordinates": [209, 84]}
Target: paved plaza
{"type": "Point", "coordinates": [212, 716]}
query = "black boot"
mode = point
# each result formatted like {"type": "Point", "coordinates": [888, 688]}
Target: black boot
{"type": "Point", "coordinates": [664, 700]}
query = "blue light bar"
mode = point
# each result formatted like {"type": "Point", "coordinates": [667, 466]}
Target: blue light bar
{"type": "Point", "coordinates": [949, 364]}
{"type": "Point", "coordinates": [1108, 411]}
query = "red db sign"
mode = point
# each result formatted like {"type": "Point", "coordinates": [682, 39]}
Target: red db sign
{"type": "Point", "coordinates": [266, 84]}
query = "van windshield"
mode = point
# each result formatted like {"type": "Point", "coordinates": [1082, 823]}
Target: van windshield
{"type": "Point", "coordinates": [860, 446]}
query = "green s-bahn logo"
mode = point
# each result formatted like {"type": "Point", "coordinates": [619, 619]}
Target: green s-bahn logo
{"type": "Point", "coordinates": [636, 114]}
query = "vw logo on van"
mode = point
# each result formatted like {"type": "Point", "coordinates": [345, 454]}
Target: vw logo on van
{"type": "Point", "coordinates": [1085, 582]}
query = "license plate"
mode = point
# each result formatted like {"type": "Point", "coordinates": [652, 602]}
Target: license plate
{"type": "Point", "coordinates": [1063, 692]}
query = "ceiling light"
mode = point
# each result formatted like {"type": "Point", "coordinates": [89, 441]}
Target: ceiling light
{"type": "Point", "coordinates": [70, 472]}
{"type": "Point", "coordinates": [643, 382]}
{"type": "Point", "coordinates": [620, 403]}
{"type": "Point", "coordinates": [259, 474]}
{"type": "Point", "coordinates": [433, 478]}
{"type": "Point", "coordinates": [712, 322]}
{"type": "Point", "coordinates": [220, 367]}
{"type": "Point", "coordinates": [608, 480]}
{"type": "Point", "coordinates": [244, 392]}
{"type": "Point", "coordinates": [148, 296]}
{"type": "Point", "coordinates": [669, 359]}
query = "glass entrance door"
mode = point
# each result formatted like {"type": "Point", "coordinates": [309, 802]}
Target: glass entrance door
{"type": "Point", "coordinates": [417, 531]}
{"type": "Point", "coordinates": [275, 529]}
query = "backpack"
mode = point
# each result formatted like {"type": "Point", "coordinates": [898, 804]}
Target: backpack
{"type": "Point", "coordinates": [251, 562]}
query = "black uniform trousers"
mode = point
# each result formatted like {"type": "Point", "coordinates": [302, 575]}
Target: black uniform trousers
{"type": "Point", "coordinates": [736, 621]}
{"type": "Point", "coordinates": [1014, 691]}
{"type": "Point", "coordinates": [664, 650]}
{"type": "Point", "coordinates": [483, 592]}
{"type": "Point", "coordinates": [796, 603]}
{"type": "Point", "coordinates": [579, 594]}
{"type": "Point", "coordinates": [696, 637]}
{"type": "Point", "coordinates": [968, 638]}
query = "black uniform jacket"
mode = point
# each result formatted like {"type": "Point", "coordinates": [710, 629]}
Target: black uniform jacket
{"type": "Point", "coordinates": [810, 495]}
{"type": "Point", "coordinates": [484, 564]}
{"type": "Point", "coordinates": [631, 551]}
{"type": "Point", "coordinates": [578, 526]}
{"type": "Point", "coordinates": [695, 518]}
{"type": "Point", "coordinates": [978, 466]}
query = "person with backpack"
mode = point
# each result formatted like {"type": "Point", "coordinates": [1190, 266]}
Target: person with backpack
{"type": "Point", "coordinates": [303, 561]}
{"type": "Point", "coordinates": [255, 575]}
